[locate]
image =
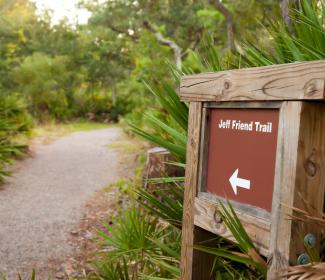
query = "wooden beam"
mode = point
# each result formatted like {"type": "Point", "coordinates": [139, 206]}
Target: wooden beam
{"type": "Point", "coordinates": [295, 81]}
{"type": "Point", "coordinates": [203, 262]}
{"type": "Point", "coordinates": [310, 177]}
{"type": "Point", "coordinates": [194, 264]}
{"type": "Point", "coordinates": [207, 217]}
{"type": "Point", "coordinates": [191, 175]}
{"type": "Point", "coordinates": [204, 149]}
{"type": "Point", "coordinates": [299, 182]}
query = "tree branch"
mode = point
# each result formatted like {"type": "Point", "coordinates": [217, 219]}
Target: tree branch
{"type": "Point", "coordinates": [285, 11]}
{"type": "Point", "coordinates": [286, 15]}
{"type": "Point", "coordinates": [229, 20]}
{"type": "Point", "coordinates": [167, 42]}
{"type": "Point", "coordinates": [120, 31]}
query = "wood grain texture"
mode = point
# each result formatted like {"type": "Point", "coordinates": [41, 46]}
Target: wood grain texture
{"type": "Point", "coordinates": [310, 176]}
{"type": "Point", "coordinates": [204, 149]}
{"type": "Point", "coordinates": [191, 180]}
{"type": "Point", "coordinates": [299, 182]}
{"type": "Point", "coordinates": [284, 187]}
{"type": "Point", "coordinates": [206, 216]}
{"type": "Point", "coordinates": [243, 104]}
{"type": "Point", "coordinates": [202, 264]}
{"type": "Point", "coordinates": [295, 81]}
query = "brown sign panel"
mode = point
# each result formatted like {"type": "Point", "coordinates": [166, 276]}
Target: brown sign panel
{"type": "Point", "coordinates": [241, 155]}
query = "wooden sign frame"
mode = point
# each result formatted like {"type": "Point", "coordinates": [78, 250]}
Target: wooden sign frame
{"type": "Point", "coordinates": [298, 91]}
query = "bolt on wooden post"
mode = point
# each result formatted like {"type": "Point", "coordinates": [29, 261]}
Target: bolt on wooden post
{"type": "Point", "coordinates": [256, 137]}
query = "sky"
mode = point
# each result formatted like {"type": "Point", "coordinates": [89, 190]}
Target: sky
{"type": "Point", "coordinates": [62, 9]}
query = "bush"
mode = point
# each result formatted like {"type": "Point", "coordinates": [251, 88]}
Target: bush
{"type": "Point", "coordinates": [43, 81]}
{"type": "Point", "coordinates": [98, 105]}
{"type": "Point", "coordinates": [135, 246]}
{"type": "Point", "coordinates": [14, 122]}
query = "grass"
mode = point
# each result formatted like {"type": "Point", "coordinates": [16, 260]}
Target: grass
{"type": "Point", "coordinates": [127, 146]}
{"type": "Point", "coordinates": [84, 125]}
{"type": "Point", "coordinates": [51, 130]}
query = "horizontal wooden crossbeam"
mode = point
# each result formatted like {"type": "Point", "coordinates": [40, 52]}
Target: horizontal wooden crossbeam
{"type": "Point", "coordinates": [295, 81]}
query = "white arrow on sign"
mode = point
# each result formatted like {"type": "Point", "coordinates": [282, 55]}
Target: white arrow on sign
{"type": "Point", "coordinates": [238, 182]}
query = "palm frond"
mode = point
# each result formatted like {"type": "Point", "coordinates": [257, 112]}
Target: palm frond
{"type": "Point", "coordinates": [314, 271]}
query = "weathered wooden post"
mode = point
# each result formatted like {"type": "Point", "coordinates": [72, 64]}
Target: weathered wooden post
{"type": "Point", "coordinates": [256, 137]}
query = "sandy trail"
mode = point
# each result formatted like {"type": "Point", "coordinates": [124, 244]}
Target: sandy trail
{"type": "Point", "coordinates": [42, 201]}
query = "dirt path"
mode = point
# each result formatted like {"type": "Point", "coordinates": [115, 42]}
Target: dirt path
{"type": "Point", "coordinates": [42, 202]}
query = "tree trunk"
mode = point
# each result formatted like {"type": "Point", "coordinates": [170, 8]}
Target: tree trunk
{"type": "Point", "coordinates": [285, 6]}
{"type": "Point", "coordinates": [167, 42]}
{"type": "Point", "coordinates": [286, 14]}
{"type": "Point", "coordinates": [229, 21]}
{"type": "Point", "coordinates": [114, 93]}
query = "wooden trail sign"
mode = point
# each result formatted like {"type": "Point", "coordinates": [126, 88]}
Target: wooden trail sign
{"type": "Point", "coordinates": [241, 155]}
{"type": "Point", "coordinates": [256, 137]}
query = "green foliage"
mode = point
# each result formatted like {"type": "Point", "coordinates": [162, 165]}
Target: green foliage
{"type": "Point", "coordinates": [112, 270]}
{"type": "Point", "coordinates": [98, 105]}
{"type": "Point", "coordinates": [41, 79]}
{"type": "Point", "coordinates": [304, 43]}
{"type": "Point", "coordinates": [209, 17]}
{"type": "Point", "coordinates": [14, 121]}
{"type": "Point", "coordinates": [97, 69]}
{"type": "Point", "coordinates": [249, 255]}
{"type": "Point", "coordinates": [165, 203]}
{"type": "Point", "coordinates": [129, 237]}
{"type": "Point", "coordinates": [61, 71]}
{"type": "Point", "coordinates": [137, 240]}
{"type": "Point", "coordinates": [169, 133]}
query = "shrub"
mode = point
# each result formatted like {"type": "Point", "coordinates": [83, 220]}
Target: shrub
{"type": "Point", "coordinates": [43, 82]}
{"type": "Point", "coordinates": [14, 122]}
{"type": "Point", "coordinates": [137, 242]}
{"type": "Point", "coordinates": [98, 105]}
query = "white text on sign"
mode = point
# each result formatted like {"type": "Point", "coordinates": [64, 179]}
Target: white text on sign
{"type": "Point", "coordinates": [246, 126]}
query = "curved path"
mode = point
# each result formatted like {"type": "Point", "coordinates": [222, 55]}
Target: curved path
{"type": "Point", "coordinates": [41, 202]}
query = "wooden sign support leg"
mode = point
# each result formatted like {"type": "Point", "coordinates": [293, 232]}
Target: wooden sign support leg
{"type": "Point", "coordinates": [299, 182]}
{"type": "Point", "coordinates": [194, 264]}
